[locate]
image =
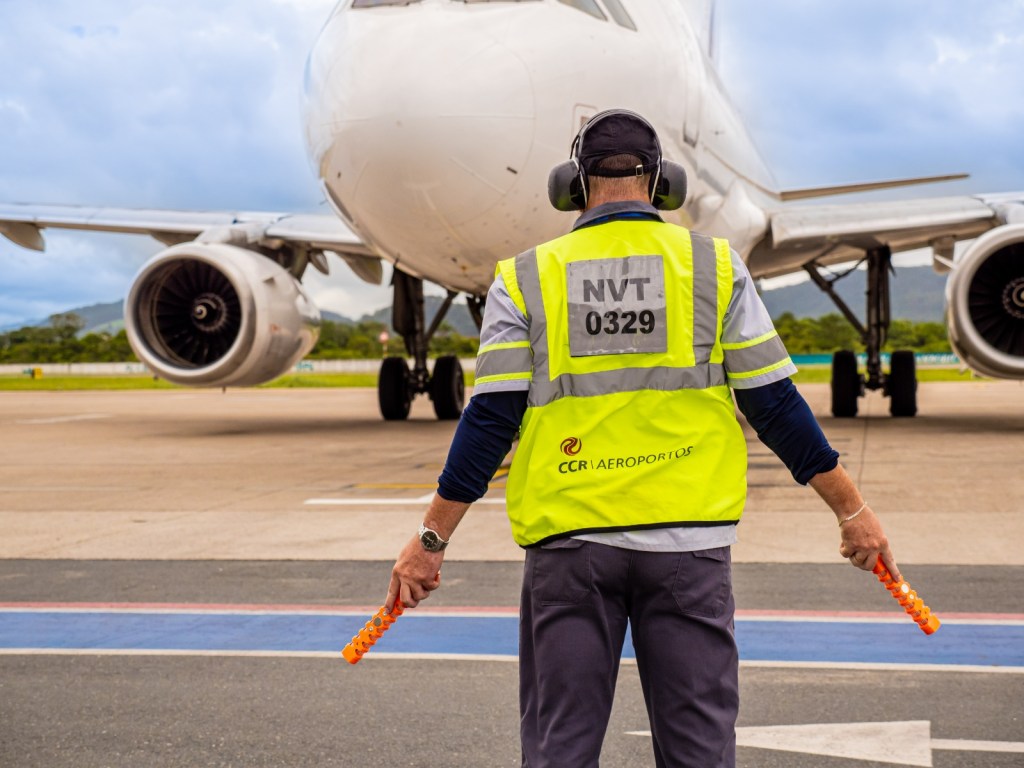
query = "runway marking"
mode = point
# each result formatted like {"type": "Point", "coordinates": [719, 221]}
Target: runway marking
{"type": "Point", "coordinates": [407, 486]}
{"type": "Point", "coordinates": [376, 657]}
{"type": "Point", "coordinates": [896, 743]}
{"type": "Point", "coordinates": [389, 502]}
{"type": "Point", "coordinates": [64, 488]}
{"type": "Point", "coordinates": [425, 609]}
{"type": "Point", "coordinates": [874, 642]}
{"type": "Point", "coordinates": [65, 419]}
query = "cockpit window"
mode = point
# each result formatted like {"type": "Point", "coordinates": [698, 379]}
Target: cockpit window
{"type": "Point", "coordinates": [376, 3]}
{"type": "Point", "coordinates": [587, 6]}
{"type": "Point", "coordinates": [619, 14]}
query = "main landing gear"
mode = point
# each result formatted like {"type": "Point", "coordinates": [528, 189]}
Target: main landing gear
{"type": "Point", "coordinates": [398, 385]}
{"type": "Point", "coordinates": [900, 384]}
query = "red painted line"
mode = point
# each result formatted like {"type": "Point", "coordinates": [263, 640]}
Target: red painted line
{"type": "Point", "coordinates": [245, 607]}
{"type": "Point", "coordinates": [769, 613]}
{"type": "Point", "coordinates": [456, 609]}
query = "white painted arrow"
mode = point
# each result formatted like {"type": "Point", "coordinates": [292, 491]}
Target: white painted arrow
{"type": "Point", "coordinates": [900, 743]}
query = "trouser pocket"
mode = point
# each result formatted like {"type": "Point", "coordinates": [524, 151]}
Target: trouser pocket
{"type": "Point", "coordinates": [561, 576]}
{"type": "Point", "coordinates": [703, 582]}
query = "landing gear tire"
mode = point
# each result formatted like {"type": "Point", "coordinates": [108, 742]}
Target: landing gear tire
{"type": "Point", "coordinates": [448, 388]}
{"type": "Point", "coordinates": [846, 384]}
{"type": "Point", "coordinates": [394, 391]}
{"type": "Point", "coordinates": [901, 385]}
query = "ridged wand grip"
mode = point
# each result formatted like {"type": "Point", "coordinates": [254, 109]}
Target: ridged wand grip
{"type": "Point", "coordinates": [371, 632]}
{"type": "Point", "coordinates": [908, 598]}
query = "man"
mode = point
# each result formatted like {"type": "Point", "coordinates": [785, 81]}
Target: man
{"type": "Point", "coordinates": [612, 352]}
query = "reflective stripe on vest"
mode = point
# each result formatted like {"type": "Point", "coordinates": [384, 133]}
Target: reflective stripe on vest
{"type": "Point", "coordinates": [629, 423]}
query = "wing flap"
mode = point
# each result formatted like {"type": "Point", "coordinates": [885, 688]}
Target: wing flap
{"type": "Point", "coordinates": [831, 234]}
{"type": "Point", "coordinates": [882, 221]}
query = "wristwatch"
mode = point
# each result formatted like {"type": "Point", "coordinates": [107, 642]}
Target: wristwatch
{"type": "Point", "coordinates": [431, 540]}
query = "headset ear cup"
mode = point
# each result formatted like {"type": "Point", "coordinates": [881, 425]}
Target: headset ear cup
{"type": "Point", "coordinates": [670, 187]}
{"type": "Point", "coordinates": [564, 187]}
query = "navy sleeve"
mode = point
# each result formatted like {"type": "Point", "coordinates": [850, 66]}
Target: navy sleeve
{"type": "Point", "coordinates": [483, 438]}
{"type": "Point", "coordinates": [784, 422]}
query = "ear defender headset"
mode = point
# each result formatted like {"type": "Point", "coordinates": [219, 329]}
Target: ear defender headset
{"type": "Point", "coordinates": [569, 182]}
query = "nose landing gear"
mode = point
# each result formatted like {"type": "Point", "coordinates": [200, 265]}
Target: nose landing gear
{"type": "Point", "coordinates": [398, 385]}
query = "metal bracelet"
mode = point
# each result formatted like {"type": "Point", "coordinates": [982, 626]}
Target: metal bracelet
{"type": "Point", "coordinates": [848, 519]}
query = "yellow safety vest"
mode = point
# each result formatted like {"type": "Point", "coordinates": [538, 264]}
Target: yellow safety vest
{"type": "Point", "coordinates": [629, 423]}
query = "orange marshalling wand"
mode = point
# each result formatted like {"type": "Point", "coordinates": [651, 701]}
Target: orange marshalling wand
{"type": "Point", "coordinates": [905, 596]}
{"type": "Point", "coordinates": [378, 624]}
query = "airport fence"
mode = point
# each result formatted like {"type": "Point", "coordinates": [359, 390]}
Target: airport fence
{"type": "Point", "coordinates": [372, 366]}
{"type": "Point", "coordinates": [139, 369]}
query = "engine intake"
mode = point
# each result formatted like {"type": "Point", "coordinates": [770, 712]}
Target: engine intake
{"type": "Point", "coordinates": [209, 314]}
{"type": "Point", "coordinates": [985, 299]}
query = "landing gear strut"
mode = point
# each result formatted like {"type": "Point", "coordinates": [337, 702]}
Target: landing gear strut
{"type": "Point", "coordinates": [900, 384]}
{"type": "Point", "coordinates": [398, 385]}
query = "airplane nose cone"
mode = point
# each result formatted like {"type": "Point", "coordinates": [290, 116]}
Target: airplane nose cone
{"type": "Point", "coordinates": [428, 123]}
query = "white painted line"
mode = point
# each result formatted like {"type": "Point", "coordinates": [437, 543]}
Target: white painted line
{"type": "Point", "coordinates": [870, 666]}
{"type": "Point", "coordinates": [899, 743]}
{"type": "Point", "coordinates": [820, 665]}
{"type": "Point", "coordinates": [65, 419]}
{"type": "Point", "coordinates": [64, 488]}
{"type": "Point", "coordinates": [967, 745]}
{"type": "Point", "coordinates": [895, 743]}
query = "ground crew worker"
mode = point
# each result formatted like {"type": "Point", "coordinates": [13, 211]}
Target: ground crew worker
{"type": "Point", "coordinates": [612, 352]}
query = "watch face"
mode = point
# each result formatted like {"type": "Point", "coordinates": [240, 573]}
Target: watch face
{"type": "Point", "coordinates": [431, 541]}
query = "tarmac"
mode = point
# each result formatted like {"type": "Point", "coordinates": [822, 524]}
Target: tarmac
{"type": "Point", "coordinates": [150, 540]}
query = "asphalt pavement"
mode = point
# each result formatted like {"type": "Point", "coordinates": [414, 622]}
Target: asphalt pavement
{"type": "Point", "coordinates": [222, 517]}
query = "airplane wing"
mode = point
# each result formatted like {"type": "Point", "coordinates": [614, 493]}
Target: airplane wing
{"type": "Point", "coordinates": [985, 292]}
{"type": "Point", "coordinates": [23, 224]}
{"type": "Point", "coordinates": [830, 234]}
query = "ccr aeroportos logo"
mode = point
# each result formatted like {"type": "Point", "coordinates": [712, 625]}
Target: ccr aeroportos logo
{"type": "Point", "coordinates": [571, 446]}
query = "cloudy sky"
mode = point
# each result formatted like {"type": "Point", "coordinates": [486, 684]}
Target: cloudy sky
{"type": "Point", "coordinates": [191, 104]}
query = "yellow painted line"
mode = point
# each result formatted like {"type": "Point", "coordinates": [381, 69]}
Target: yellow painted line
{"type": "Point", "coordinates": [393, 485]}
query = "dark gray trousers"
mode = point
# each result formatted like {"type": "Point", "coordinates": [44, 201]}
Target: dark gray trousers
{"type": "Point", "coordinates": [576, 603]}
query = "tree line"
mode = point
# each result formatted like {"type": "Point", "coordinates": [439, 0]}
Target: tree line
{"type": "Point", "coordinates": [61, 341]}
{"type": "Point", "coordinates": [831, 333]}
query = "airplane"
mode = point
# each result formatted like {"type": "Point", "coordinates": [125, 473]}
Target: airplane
{"type": "Point", "coordinates": [433, 125]}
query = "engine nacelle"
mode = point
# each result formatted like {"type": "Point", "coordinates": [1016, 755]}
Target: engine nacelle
{"type": "Point", "coordinates": [214, 315]}
{"type": "Point", "coordinates": [985, 304]}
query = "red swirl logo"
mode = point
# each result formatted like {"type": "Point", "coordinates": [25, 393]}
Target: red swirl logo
{"type": "Point", "coordinates": [571, 446]}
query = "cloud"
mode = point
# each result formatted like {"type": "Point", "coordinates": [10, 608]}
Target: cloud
{"type": "Point", "coordinates": [192, 104]}
{"type": "Point", "coordinates": [77, 269]}
{"type": "Point", "coordinates": [183, 104]}
{"type": "Point", "coordinates": [851, 91]}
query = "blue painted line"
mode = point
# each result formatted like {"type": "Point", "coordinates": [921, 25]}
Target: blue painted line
{"type": "Point", "coordinates": [863, 641]}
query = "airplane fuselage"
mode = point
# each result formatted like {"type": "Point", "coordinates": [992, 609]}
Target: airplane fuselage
{"type": "Point", "coordinates": [433, 126]}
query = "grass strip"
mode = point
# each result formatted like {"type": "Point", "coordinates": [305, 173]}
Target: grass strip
{"type": "Point", "coordinates": [19, 383]}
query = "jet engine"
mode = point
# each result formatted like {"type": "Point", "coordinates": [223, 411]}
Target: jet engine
{"type": "Point", "coordinates": [215, 315]}
{"type": "Point", "coordinates": [985, 304]}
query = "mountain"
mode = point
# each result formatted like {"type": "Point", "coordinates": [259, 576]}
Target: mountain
{"type": "Point", "coordinates": [917, 293]}
{"type": "Point", "coordinates": [98, 318]}
{"type": "Point", "coordinates": [109, 317]}
{"type": "Point", "coordinates": [458, 316]}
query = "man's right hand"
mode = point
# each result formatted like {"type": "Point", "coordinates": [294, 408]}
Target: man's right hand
{"type": "Point", "coordinates": [415, 575]}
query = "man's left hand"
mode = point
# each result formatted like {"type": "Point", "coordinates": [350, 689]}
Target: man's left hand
{"type": "Point", "coordinates": [864, 542]}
